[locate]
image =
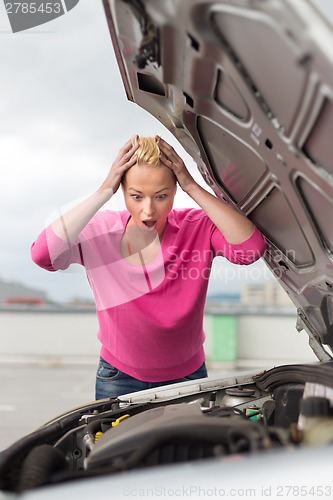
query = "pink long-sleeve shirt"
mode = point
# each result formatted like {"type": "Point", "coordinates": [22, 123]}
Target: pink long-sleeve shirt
{"type": "Point", "coordinates": [150, 317]}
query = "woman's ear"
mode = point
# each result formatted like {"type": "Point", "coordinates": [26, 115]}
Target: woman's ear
{"type": "Point", "coordinates": [135, 139]}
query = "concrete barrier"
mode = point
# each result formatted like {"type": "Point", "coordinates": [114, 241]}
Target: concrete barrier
{"type": "Point", "coordinates": [232, 339]}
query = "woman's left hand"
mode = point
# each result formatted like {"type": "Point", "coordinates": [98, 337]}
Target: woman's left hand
{"type": "Point", "coordinates": [172, 160]}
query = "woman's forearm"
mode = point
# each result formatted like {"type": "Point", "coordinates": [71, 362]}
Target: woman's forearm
{"type": "Point", "coordinates": [234, 226]}
{"type": "Point", "coordinates": [69, 225]}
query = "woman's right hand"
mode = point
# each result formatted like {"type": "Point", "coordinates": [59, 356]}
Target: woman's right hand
{"type": "Point", "coordinates": [69, 225]}
{"type": "Point", "coordinates": [124, 160]}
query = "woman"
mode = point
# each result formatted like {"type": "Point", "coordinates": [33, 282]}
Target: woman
{"type": "Point", "coordinates": [148, 266]}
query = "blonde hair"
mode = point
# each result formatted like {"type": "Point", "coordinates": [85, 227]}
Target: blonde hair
{"type": "Point", "coordinates": [148, 152]}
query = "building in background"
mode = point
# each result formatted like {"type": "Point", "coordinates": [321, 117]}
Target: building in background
{"type": "Point", "coordinates": [16, 293]}
{"type": "Point", "coordinates": [269, 293]}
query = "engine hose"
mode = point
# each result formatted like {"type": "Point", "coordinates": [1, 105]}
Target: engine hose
{"type": "Point", "coordinates": [39, 466]}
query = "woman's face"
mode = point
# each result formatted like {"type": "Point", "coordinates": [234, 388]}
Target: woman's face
{"type": "Point", "coordinates": [149, 193]}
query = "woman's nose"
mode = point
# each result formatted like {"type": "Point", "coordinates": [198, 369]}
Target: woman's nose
{"type": "Point", "coordinates": [149, 207]}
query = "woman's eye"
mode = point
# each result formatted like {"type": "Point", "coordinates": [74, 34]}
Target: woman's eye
{"type": "Point", "coordinates": [136, 197]}
{"type": "Point", "coordinates": [161, 196]}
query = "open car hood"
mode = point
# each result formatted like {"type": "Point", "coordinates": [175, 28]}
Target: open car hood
{"type": "Point", "coordinates": [246, 86]}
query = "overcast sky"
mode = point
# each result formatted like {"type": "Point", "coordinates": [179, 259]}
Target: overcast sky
{"type": "Point", "coordinates": [64, 116]}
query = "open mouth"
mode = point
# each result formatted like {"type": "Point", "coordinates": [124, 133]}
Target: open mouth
{"type": "Point", "coordinates": [150, 224]}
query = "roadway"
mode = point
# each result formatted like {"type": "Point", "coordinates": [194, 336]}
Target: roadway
{"type": "Point", "coordinates": [30, 395]}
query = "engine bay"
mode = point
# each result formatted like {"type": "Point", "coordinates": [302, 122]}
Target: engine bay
{"type": "Point", "coordinates": [288, 407]}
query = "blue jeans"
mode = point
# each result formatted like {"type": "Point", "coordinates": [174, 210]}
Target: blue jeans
{"type": "Point", "coordinates": [111, 382]}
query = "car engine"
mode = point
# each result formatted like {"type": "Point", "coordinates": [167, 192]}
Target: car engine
{"type": "Point", "coordinates": [285, 407]}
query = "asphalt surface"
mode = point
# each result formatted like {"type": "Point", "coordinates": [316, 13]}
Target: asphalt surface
{"type": "Point", "coordinates": [32, 395]}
